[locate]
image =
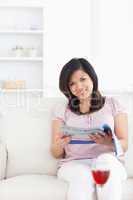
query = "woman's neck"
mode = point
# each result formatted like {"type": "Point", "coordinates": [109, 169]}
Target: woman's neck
{"type": "Point", "coordinates": [84, 106]}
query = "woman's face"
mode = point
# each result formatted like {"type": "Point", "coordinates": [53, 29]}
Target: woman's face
{"type": "Point", "coordinates": [80, 84]}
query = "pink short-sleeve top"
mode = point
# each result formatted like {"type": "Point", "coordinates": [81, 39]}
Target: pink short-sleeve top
{"type": "Point", "coordinates": [105, 115]}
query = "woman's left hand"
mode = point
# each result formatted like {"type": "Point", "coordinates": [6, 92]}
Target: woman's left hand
{"type": "Point", "coordinates": [101, 139]}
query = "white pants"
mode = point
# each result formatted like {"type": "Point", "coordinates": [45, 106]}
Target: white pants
{"type": "Point", "coordinates": [81, 185]}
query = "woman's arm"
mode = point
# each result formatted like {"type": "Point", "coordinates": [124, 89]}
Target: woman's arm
{"type": "Point", "coordinates": [58, 141]}
{"type": "Point", "coordinates": [121, 129]}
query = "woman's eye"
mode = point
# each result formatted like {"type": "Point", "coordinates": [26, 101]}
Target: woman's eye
{"type": "Point", "coordinates": [71, 84]}
{"type": "Point", "coordinates": [82, 79]}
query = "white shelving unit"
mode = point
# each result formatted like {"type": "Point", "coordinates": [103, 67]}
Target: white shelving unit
{"type": "Point", "coordinates": [21, 49]}
{"type": "Point", "coordinates": [21, 58]}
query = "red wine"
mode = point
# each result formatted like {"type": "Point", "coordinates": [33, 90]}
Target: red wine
{"type": "Point", "coordinates": [100, 176]}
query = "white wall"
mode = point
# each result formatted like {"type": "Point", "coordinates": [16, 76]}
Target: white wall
{"type": "Point", "coordinates": [67, 35]}
{"type": "Point", "coordinates": [105, 39]}
{"type": "Point", "coordinates": [111, 42]}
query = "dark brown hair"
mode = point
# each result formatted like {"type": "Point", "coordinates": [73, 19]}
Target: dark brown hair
{"type": "Point", "coordinates": [97, 100]}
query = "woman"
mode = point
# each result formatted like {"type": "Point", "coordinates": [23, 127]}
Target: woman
{"type": "Point", "coordinates": [87, 108]}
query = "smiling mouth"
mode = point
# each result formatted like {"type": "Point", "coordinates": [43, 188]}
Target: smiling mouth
{"type": "Point", "coordinates": [82, 93]}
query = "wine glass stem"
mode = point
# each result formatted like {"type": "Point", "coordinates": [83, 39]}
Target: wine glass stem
{"type": "Point", "coordinates": [99, 192]}
{"type": "Point", "coordinates": [96, 191]}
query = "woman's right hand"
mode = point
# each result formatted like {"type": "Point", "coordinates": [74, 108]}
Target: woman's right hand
{"type": "Point", "coordinates": [58, 139]}
{"type": "Point", "coordinates": [62, 140]}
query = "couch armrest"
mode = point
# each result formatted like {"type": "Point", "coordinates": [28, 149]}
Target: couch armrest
{"type": "Point", "coordinates": [3, 160]}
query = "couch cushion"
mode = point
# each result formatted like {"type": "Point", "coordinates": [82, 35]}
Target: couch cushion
{"type": "Point", "coordinates": [39, 187]}
{"type": "Point", "coordinates": [33, 187]}
{"type": "Point", "coordinates": [128, 189]}
{"type": "Point", "coordinates": [27, 133]}
{"type": "Point", "coordinates": [126, 99]}
{"type": "Point", "coordinates": [3, 160]}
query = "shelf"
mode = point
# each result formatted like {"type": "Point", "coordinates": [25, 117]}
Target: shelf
{"type": "Point", "coordinates": [33, 32]}
{"type": "Point", "coordinates": [21, 59]}
{"type": "Point", "coordinates": [22, 91]}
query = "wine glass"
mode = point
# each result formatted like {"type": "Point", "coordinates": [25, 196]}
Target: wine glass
{"type": "Point", "coordinates": [100, 173]}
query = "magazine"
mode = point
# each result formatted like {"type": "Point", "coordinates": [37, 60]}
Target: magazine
{"type": "Point", "coordinates": [68, 130]}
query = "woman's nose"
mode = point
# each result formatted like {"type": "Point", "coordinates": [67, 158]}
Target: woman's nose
{"type": "Point", "coordinates": [79, 87]}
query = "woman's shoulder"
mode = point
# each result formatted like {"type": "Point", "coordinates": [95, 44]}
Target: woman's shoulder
{"type": "Point", "coordinates": [115, 104]}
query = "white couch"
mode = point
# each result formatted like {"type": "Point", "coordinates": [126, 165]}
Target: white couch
{"type": "Point", "coordinates": [27, 168]}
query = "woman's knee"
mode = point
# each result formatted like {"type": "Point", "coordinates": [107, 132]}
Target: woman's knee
{"type": "Point", "coordinates": [108, 159]}
{"type": "Point", "coordinates": [75, 171]}
{"type": "Point", "coordinates": [111, 162]}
